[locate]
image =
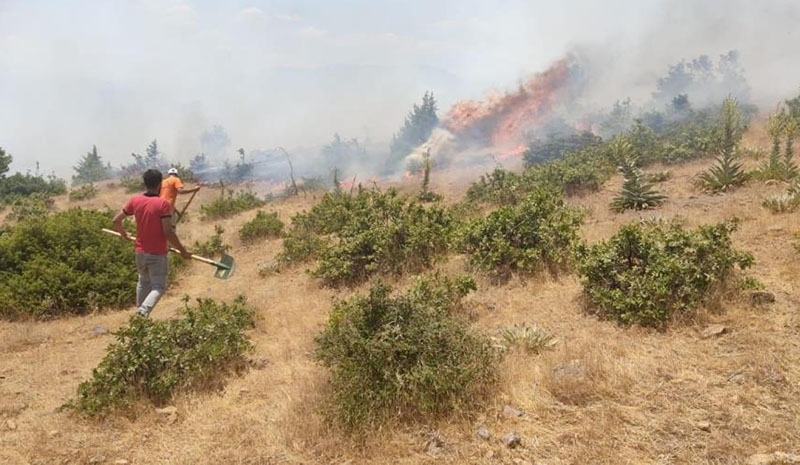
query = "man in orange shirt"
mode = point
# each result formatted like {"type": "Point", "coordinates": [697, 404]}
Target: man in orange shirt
{"type": "Point", "coordinates": [171, 187]}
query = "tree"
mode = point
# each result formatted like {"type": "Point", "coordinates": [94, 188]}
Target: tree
{"type": "Point", "coordinates": [728, 173]}
{"type": "Point", "coordinates": [416, 129]}
{"type": "Point", "coordinates": [342, 152]}
{"type": "Point", "coordinates": [636, 193]}
{"type": "Point", "coordinates": [5, 162]}
{"type": "Point", "coordinates": [794, 107]}
{"type": "Point", "coordinates": [90, 168]}
{"type": "Point", "coordinates": [153, 158]}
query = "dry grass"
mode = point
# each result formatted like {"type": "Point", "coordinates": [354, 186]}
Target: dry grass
{"type": "Point", "coordinates": [603, 395]}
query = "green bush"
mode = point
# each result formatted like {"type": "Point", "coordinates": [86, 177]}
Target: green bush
{"type": "Point", "coordinates": [152, 360]}
{"type": "Point", "coordinates": [355, 236]}
{"type": "Point", "coordinates": [132, 184]}
{"type": "Point", "coordinates": [575, 174]}
{"type": "Point", "coordinates": [651, 272]}
{"type": "Point", "coordinates": [262, 226]}
{"type": "Point", "coordinates": [23, 185]}
{"type": "Point", "coordinates": [84, 192]}
{"type": "Point", "coordinates": [229, 204]}
{"type": "Point", "coordinates": [63, 264]}
{"type": "Point", "coordinates": [404, 357]}
{"type": "Point", "coordinates": [214, 246]}
{"type": "Point", "coordinates": [37, 205]}
{"type": "Point", "coordinates": [537, 233]}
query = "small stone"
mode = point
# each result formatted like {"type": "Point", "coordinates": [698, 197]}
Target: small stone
{"type": "Point", "coordinates": [483, 433]}
{"type": "Point", "coordinates": [704, 425]}
{"type": "Point", "coordinates": [511, 412]}
{"type": "Point", "coordinates": [490, 455]}
{"type": "Point", "coordinates": [737, 378]}
{"type": "Point", "coordinates": [775, 229]}
{"type": "Point", "coordinates": [170, 410]}
{"type": "Point", "coordinates": [512, 440]}
{"type": "Point", "coordinates": [776, 458]}
{"type": "Point", "coordinates": [121, 462]}
{"type": "Point", "coordinates": [572, 370]}
{"type": "Point", "coordinates": [762, 297]}
{"type": "Point", "coordinates": [53, 433]}
{"type": "Point", "coordinates": [11, 425]}
{"type": "Point", "coordinates": [714, 330]}
{"type": "Point", "coordinates": [97, 459]}
{"type": "Point", "coordinates": [259, 364]}
{"type": "Point", "coordinates": [434, 444]}
{"type": "Point", "coordinates": [99, 330]}
{"type": "Point", "coordinates": [244, 391]}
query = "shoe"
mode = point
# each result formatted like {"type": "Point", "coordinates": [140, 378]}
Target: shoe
{"type": "Point", "coordinates": [143, 313]}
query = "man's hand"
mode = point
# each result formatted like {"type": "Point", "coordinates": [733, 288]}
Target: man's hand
{"type": "Point", "coordinates": [124, 235]}
{"type": "Point", "coordinates": [186, 254]}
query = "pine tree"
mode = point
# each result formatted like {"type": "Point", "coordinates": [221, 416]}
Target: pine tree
{"type": "Point", "coordinates": [636, 193]}
{"type": "Point", "coordinates": [728, 173]}
{"type": "Point", "coordinates": [416, 129]}
{"type": "Point", "coordinates": [90, 169]}
{"type": "Point", "coordinates": [5, 162]}
{"type": "Point", "coordinates": [153, 158]}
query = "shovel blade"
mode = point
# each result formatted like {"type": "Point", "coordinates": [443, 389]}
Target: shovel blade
{"type": "Point", "coordinates": [225, 271]}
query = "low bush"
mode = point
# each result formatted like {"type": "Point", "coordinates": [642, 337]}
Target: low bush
{"type": "Point", "coordinates": [355, 236]}
{"type": "Point", "coordinates": [532, 339]}
{"type": "Point", "coordinates": [152, 360]}
{"type": "Point", "coordinates": [83, 192]}
{"type": "Point", "coordinates": [63, 264]}
{"type": "Point", "coordinates": [652, 272]}
{"type": "Point", "coordinates": [214, 246]}
{"type": "Point", "coordinates": [23, 185]}
{"type": "Point", "coordinates": [784, 203]}
{"type": "Point", "coordinates": [404, 357]}
{"type": "Point", "coordinates": [229, 204]}
{"type": "Point", "coordinates": [132, 184]}
{"type": "Point", "coordinates": [36, 205]}
{"type": "Point", "coordinates": [264, 225]}
{"type": "Point", "coordinates": [537, 233]}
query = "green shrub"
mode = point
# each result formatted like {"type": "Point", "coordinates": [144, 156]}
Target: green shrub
{"type": "Point", "coordinates": [651, 272]}
{"type": "Point", "coordinates": [132, 184]}
{"type": "Point", "coordinates": [63, 264]}
{"type": "Point", "coordinates": [404, 357]}
{"type": "Point", "coordinates": [636, 193]}
{"type": "Point", "coordinates": [152, 360]}
{"type": "Point", "coordinates": [214, 246]}
{"type": "Point", "coordinates": [23, 185]}
{"type": "Point", "coordinates": [575, 174]}
{"type": "Point", "coordinates": [83, 192]}
{"type": "Point", "coordinates": [262, 226]}
{"type": "Point", "coordinates": [229, 204]}
{"type": "Point", "coordinates": [36, 205]}
{"type": "Point", "coordinates": [532, 339]}
{"type": "Point", "coordinates": [537, 233]}
{"type": "Point", "coordinates": [727, 173]}
{"type": "Point", "coordinates": [355, 236]}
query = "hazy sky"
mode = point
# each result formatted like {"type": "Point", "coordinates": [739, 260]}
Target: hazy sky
{"type": "Point", "coordinates": [118, 73]}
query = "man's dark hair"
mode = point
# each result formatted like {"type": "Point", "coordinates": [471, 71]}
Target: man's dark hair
{"type": "Point", "coordinates": [152, 178]}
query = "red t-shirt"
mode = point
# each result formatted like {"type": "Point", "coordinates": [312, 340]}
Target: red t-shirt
{"type": "Point", "coordinates": [149, 209]}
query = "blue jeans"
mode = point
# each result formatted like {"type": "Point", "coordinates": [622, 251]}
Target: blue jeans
{"type": "Point", "coordinates": [152, 281]}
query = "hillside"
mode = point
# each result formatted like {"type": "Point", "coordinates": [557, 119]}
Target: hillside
{"type": "Point", "coordinates": [639, 395]}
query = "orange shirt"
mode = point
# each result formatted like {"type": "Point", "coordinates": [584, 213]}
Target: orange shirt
{"type": "Point", "coordinates": [169, 189]}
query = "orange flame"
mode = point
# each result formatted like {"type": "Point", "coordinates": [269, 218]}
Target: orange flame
{"type": "Point", "coordinates": [502, 119]}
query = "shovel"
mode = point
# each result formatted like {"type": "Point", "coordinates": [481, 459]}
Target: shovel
{"type": "Point", "coordinates": [224, 265]}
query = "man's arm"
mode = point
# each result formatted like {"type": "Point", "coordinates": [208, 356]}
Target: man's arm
{"type": "Point", "coordinates": [181, 190]}
{"type": "Point", "coordinates": [169, 232]}
{"type": "Point", "coordinates": [118, 224]}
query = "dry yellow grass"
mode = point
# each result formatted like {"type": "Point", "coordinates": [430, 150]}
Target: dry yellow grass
{"type": "Point", "coordinates": [603, 395]}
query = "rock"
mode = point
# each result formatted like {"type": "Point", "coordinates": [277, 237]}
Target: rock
{"type": "Point", "coordinates": [775, 229]}
{"type": "Point", "coordinates": [762, 297]}
{"type": "Point", "coordinates": [775, 458]}
{"type": "Point", "coordinates": [483, 433]}
{"type": "Point", "coordinates": [490, 455]}
{"type": "Point", "coordinates": [434, 444]}
{"type": "Point", "coordinates": [97, 459]}
{"type": "Point", "coordinates": [99, 330]}
{"type": "Point", "coordinates": [170, 414]}
{"type": "Point", "coordinates": [11, 425]}
{"type": "Point", "coordinates": [259, 364]}
{"type": "Point", "coordinates": [121, 462]}
{"type": "Point", "coordinates": [572, 370]}
{"type": "Point", "coordinates": [714, 330]}
{"type": "Point", "coordinates": [244, 391]}
{"type": "Point", "coordinates": [53, 433]}
{"type": "Point", "coordinates": [512, 440]}
{"type": "Point", "coordinates": [704, 426]}
{"type": "Point", "coordinates": [737, 377]}
{"type": "Point", "coordinates": [511, 412]}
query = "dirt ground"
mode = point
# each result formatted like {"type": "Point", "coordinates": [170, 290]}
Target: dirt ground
{"type": "Point", "coordinates": [641, 396]}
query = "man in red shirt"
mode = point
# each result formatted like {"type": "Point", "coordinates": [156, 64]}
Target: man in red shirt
{"type": "Point", "coordinates": [153, 229]}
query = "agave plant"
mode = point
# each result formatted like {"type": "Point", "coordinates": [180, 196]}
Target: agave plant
{"type": "Point", "coordinates": [777, 167]}
{"type": "Point", "coordinates": [637, 193]}
{"type": "Point", "coordinates": [727, 173]}
{"type": "Point", "coordinates": [532, 339]}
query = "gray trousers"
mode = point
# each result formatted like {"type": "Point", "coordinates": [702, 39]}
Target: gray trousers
{"type": "Point", "coordinates": [152, 281]}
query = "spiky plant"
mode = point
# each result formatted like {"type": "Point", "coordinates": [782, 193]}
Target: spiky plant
{"type": "Point", "coordinates": [727, 173]}
{"type": "Point", "coordinates": [425, 194]}
{"type": "Point", "coordinates": [637, 193]}
{"type": "Point", "coordinates": [789, 166]}
{"type": "Point", "coordinates": [337, 183]}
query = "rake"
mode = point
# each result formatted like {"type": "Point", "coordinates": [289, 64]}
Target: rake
{"type": "Point", "coordinates": [224, 267]}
